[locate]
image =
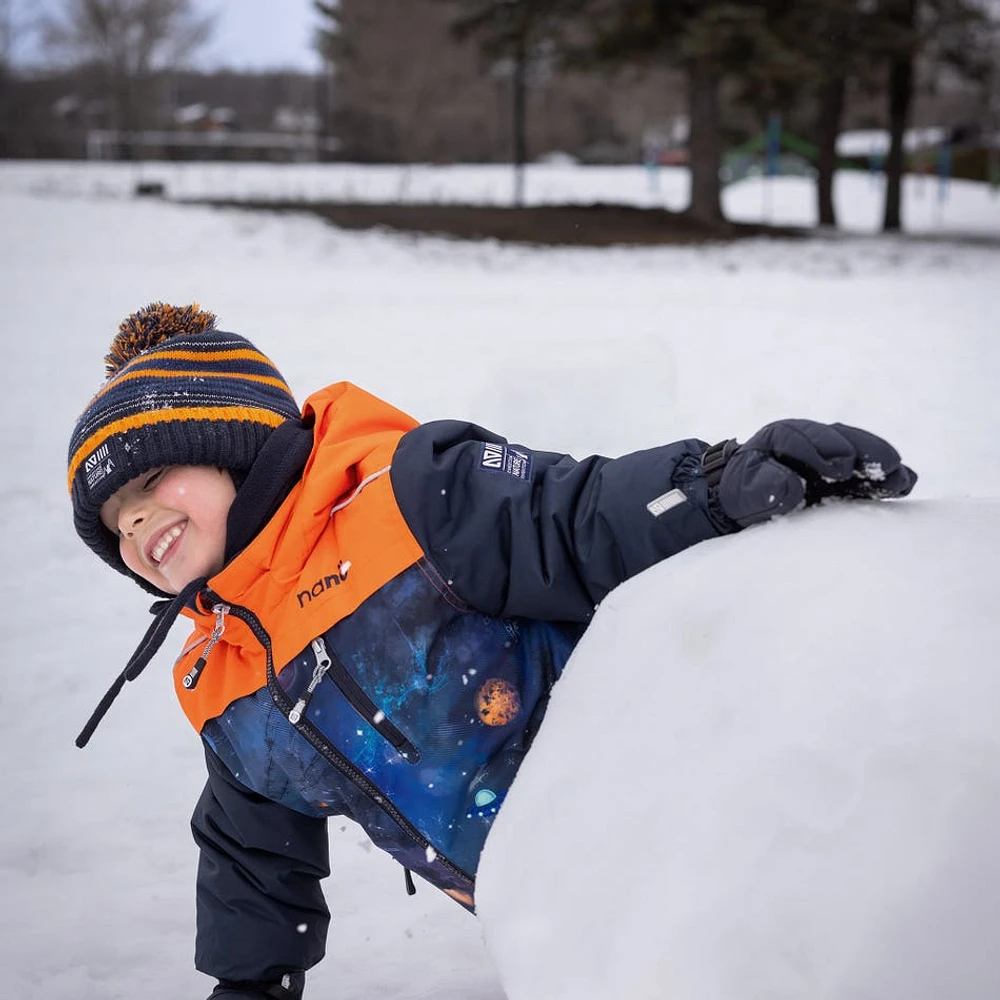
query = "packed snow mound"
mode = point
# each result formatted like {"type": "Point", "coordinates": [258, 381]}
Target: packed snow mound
{"type": "Point", "coordinates": [771, 770]}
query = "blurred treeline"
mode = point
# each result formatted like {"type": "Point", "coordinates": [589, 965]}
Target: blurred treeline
{"type": "Point", "coordinates": [597, 78]}
{"type": "Point", "coordinates": [515, 80]}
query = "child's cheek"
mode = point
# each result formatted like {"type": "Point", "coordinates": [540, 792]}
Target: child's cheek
{"type": "Point", "coordinates": [170, 495]}
{"type": "Point", "coordinates": [128, 553]}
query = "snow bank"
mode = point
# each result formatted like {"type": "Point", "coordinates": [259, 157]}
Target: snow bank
{"type": "Point", "coordinates": [772, 770]}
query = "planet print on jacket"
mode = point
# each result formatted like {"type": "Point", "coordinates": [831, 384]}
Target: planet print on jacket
{"type": "Point", "coordinates": [497, 702]}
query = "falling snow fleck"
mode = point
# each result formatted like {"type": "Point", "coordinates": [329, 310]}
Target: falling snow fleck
{"type": "Point", "coordinates": [302, 928]}
{"type": "Point", "coordinates": [378, 717]}
{"type": "Point", "coordinates": [431, 854]}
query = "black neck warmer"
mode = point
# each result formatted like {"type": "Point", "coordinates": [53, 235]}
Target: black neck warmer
{"type": "Point", "coordinates": [277, 468]}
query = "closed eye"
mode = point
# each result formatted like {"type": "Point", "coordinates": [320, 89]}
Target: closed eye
{"type": "Point", "coordinates": [152, 479]}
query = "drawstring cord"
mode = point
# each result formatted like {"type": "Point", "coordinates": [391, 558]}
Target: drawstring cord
{"type": "Point", "coordinates": [165, 614]}
{"type": "Point", "coordinates": [411, 889]}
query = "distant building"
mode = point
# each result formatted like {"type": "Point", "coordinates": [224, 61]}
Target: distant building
{"type": "Point", "coordinates": [203, 118]}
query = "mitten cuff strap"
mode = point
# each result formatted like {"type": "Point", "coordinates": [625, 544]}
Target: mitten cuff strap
{"type": "Point", "coordinates": [714, 460]}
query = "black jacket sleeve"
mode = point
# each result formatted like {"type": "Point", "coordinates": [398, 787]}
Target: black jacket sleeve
{"type": "Point", "coordinates": [517, 532]}
{"type": "Point", "coordinates": [261, 911]}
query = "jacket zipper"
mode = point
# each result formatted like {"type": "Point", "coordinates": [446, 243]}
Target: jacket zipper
{"type": "Point", "coordinates": [316, 739]}
{"type": "Point", "coordinates": [322, 666]}
{"type": "Point", "coordinates": [356, 698]}
{"type": "Point", "coordinates": [191, 678]}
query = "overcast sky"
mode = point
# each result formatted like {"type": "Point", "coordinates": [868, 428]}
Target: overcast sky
{"type": "Point", "coordinates": [261, 34]}
{"type": "Point", "coordinates": [249, 34]}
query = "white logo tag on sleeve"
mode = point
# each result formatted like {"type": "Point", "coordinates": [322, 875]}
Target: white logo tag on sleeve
{"type": "Point", "coordinates": [514, 461]}
{"type": "Point", "coordinates": [666, 502]}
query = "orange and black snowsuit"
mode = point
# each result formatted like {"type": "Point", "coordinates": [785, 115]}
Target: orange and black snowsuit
{"type": "Point", "coordinates": [398, 602]}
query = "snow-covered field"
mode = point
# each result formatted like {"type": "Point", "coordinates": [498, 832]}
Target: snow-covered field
{"type": "Point", "coordinates": [578, 350]}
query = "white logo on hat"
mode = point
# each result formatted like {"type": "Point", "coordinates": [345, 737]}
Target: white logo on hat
{"type": "Point", "coordinates": [97, 458]}
{"type": "Point", "coordinates": [98, 466]}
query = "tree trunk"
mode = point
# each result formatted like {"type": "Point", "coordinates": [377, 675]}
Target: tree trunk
{"type": "Point", "coordinates": [324, 110]}
{"type": "Point", "coordinates": [831, 109]}
{"type": "Point", "coordinates": [126, 102]}
{"type": "Point", "coordinates": [519, 136]}
{"type": "Point", "coordinates": [124, 118]}
{"type": "Point", "coordinates": [704, 144]}
{"type": "Point", "coordinates": [900, 95]}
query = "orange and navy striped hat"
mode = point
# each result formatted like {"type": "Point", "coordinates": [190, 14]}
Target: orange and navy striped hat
{"type": "Point", "coordinates": [178, 392]}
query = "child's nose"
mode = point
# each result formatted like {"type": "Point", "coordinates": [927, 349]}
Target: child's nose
{"type": "Point", "coordinates": [130, 519]}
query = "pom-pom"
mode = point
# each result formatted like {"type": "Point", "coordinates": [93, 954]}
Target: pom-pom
{"type": "Point", "coordinates": [151, 326]}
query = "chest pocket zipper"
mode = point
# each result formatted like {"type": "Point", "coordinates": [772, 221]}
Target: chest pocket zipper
{"type": "Point", "coordinates": [323, 662]}
{"type": "Point", "coordinates": [356, 698]}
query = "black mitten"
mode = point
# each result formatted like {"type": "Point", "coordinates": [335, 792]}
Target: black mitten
{"type": "Point", "coordinates": [289, 988]}
{"type": "Point", "coordinates": [796, 463]}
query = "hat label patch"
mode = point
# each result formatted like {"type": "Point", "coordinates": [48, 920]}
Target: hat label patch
{"type": "Point", "coordinates": [98, 466]}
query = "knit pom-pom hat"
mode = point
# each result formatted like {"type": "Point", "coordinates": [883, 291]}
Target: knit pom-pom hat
{"type": "Point", "coordinates": [178, 392]}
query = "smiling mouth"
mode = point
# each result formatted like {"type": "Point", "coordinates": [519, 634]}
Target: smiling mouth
{"type": "Point", "coordinates": [164, 542]}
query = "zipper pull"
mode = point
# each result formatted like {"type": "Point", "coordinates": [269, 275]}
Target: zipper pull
{"type": "Point", "coordinates": [323, 662]}
{"type": "Point", "coordinates": [194, 674]}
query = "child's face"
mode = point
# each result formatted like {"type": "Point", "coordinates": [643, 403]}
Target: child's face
{"type": "Point", "coordinates": [171, 523]}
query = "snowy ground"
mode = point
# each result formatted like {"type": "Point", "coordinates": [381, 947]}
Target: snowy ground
{"type": "Point", "coordinates": [579, 350]}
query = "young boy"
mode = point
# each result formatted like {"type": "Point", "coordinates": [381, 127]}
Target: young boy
{"type": "Point", "coordinates": [380, 607]}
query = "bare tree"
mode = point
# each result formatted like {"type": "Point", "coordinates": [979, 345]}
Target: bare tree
{"type": "Point", "coordinates": [129, 42]}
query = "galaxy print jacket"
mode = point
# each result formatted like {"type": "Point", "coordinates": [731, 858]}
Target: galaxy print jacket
{"type": "Point", "coordinates": [397, 603]}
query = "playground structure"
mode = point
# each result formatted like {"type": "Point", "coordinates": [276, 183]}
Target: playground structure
{"type": "Point", "coordinates": [938, 152]}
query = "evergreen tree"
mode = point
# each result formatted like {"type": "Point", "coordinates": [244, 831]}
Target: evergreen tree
{"type": "Point", "coordinates": [328, 41]}
{"type": "Point", "coordinates": [828, 39]}
{"type": "Point", "coordinates": [811, 50]}
{"type": "Point", "coordinates": [516, 34]}
{"type": "Point", "coordinates": [939, 32]}
{"type": "Point", "coordinates": [710, 40]}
